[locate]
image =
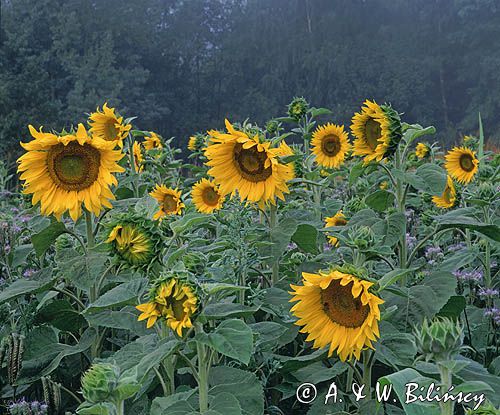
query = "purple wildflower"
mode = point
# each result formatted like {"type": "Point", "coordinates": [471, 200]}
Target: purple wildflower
{"type": "Point", "coordinates": [485, 293]}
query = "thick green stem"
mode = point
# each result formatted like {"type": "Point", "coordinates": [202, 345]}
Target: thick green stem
{"type": "Point", "coordinates": [120, 408]}
{"type": "Point", "coordinates": [400, 199]}
{"type": "Point", "coordinates": [367, 372]}
{"type": "Point", "coordinates": [90, 229]}
{"type": "Point", "coordinates": [202, 377]}
{"type": "Point", "coordinates": [242, 282]}
{"type": "Point", "coordinates": [446, 407]}
{"type": "Point", "coordinates": [273, 219]}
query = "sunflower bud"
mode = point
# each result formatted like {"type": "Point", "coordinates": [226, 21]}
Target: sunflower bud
{"type": "Point", "coordinates": [99, 382]}
{"type": "Point", "coordinates": [439, 340]}
{"type": "Point", "coordinates": [486, 408]}
{"type": "Point", "coordinates": [298, 258]}
{"type": "Point", "coordinates": [486, 190]}
{"type": "Point", "coordinates": [298, 108]}
{"type": "Point", "coordinates": [298, 168]}
{"type": "Point", "coordinates": [63, 242]}
{"type": "Point", "coordinates": [272, 127]}
{"type": "Point", "coordinates": [355, 205]}
{"type": "Point", "coordinates": [362, 237]}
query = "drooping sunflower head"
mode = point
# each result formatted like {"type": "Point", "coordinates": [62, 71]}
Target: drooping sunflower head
{"type": "Point", "coordinates": [245, 165]}
{"type": "Point", "coordinates": [152, 142]}
{"type": "Point", "coordinates": [462, 164]}
{"type": "Point", "coordinates": [138, 157]}
{"type": "Point", "coordinates": [64, 172]}
{"type": "Point", "coordinates": [421, 150]}
{"type": "Point", "coordinates": [330, 144]}
{"type": "Point", "coordinates": [133, 240]}
{"type": "Point", "coordinates": [196, 142]}
{"type": "Point", "coordinates": [169, 200]}
{"type": "Point", "coordinates": [108, 126]}
{"type": "Point", "coordinates": [173, 300]}
{"type": "Point", "coordinates": [448, 198]}
{"type": "Point", "coordinates": [206, 196]}
{"type": "Point", "coordinates": [377, 129]}
{"type": "Point", "coordinates": [337, 310]}
{"type": "Point", "coordinates": [337, 220]}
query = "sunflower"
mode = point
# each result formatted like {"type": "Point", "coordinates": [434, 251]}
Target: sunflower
{"type": "Point", "coordinates": [461, 164]}
{"type": "Point", "coordinates": [153, 141]}
{"type": "Point", "coordinates": [421, 150]}
{"type": "Point", "coordinates": [206, 196]}
{"type": "Point", "coordinates": [377, 129]}
{"type": "Point", "coordinates": [192, 143]}
{"type": "Point", "coordinates": [330, 144]}
{"type": "Point", "coordinates": [108, 126]}
{"type": "Point", "coordinates": [138, 157]}
{"type": "Point", "coordinates": [243, 164]}
{"type": "Point", "coordinates": [337, 220]}
{"type": "Point", "coordinates": [337, 310]}
{"type": "Point", "coordinates": [169, 201]}
{"type": "Point", "coordinates": [448, 198]}
{"type": "Point", "coordinates": [132, 243]}
{"type": "Point", "coordinates": [64, 172]}
{"type": "Point", "coordinates": [172, 300]}
{"type": "Point", "coordinates": [196, 142]}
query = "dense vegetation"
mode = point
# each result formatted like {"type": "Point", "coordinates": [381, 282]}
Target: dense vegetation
{"type": "Point", "coordinates": [181, 66]}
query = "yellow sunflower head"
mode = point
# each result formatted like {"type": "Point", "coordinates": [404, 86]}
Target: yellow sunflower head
{"type": "Point", "coordinates": [206, 196]}
{"type": "Point", "coordinates": [462, 164]}
{"type": "Point", "coordinates": [245, 165]}
{"type": "Point", "coordinates": [64, 172]}
{"type": "Point", "coordinates": [138, 157]}
{"type": "Point", "coordinates": [421, 150]}
{"type": "Point", "coordinates": [172, 300]}
{"type": "Point", "coordinates": [448, 198]}
{"type": "Point", "coordinates": [330, 144]}
{"type": "Point", "coordinates": [377, 129]}
{"type": "Point", "coordinates": [169, 201]}
{"type": "Point", "coordinates": [108, 126]}
{"type": "Point", "coordinates": [384, 185]}
{"type": "Point", "coordinates": [152, 142]}
{"type": "Point", "coordinates": [337, 310]}
{"type": "Point", "coordinates": [337, 220]}
{"type": "Point", "coordinates": [196, 142]}
{"type": "Point", "coordinates": [133, 240]}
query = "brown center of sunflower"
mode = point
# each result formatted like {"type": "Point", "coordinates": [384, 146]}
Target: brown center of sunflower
{"type": "Point", "coordinates": [178, 308]}
{"type": "Point", "coordinates": [169, 203]}
{"type": "Point", "coordinates": [466, 162]}
{"type": "Point", "coordinates": [250, 163]}
{"type": "Point", "coordinates": [110, 130]}
{"type": "Point", "coordinates": [330, 145]}
{"type": "Point", "coordinates": [339, 222]}
{"type": "Point", "coordinates": [341, 307]}
{"type": "Point", "coordinates": [210, 196]}
{"type": "Point", "coordinates": [373, 132]}
{"type": "Point", "coordinates": [73, 167]}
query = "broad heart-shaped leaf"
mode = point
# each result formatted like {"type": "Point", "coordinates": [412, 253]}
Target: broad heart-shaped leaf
{"type": "Point", "coordinates": [306, 237]}
{"type": "Point", "coordinates": [399, 380]}
{"type": "Point", "coordinates": [176, 404]}
{"type": "Point", "coordinates": [464, 218]}
{"type": "Point", "coordinates": [81, 270]}
{"type": "Point", "coordinates": [391, 228]}
{"type": "Point", "coordinates": [394, 348]}
{"type": "Point", "coordinates": [120, 295]}
{"type": "Point", "coordinates": [40, 282]}
{"type": "Point", "coordinates": [281, 236]}
{"type": "Point", "coordinates": [365, 217]}
{"type": "Point", "coordinates": [103, 408]}
{"type": "Point", "coordinates": [226, 310]}
{"type": "Point", "coordinates": [46, 237]}
{"type": "Point", "coordinates": [189, 221]}
{"type": "Point", "coordinates": [125, 319]}
{"type": "Point", "coordinates": [430, 178]}
{"type": "Point", "coordinates": [268, 334]}
{"type": "Point", "coordinates": [224, 404]}
{"type": "Point", "coordinates": [243, 385]}
{"type": "Point", "coordinates": [422, 300]}
{"type": "Point", "coordinates": [232, 338]}
{"type": "Point", "coordinates": [62, 315]}
{"type": "Point", "coordinates": [454, 307]}
{"type": "Point", "coordinates": [392, 276]}
{"type": "Point", "coordinates": [41, 348]}
{"type": "Point", "coordinates": [380, 200]}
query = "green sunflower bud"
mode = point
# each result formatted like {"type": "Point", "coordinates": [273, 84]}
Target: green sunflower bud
{"type": "Point", "coordinates": [298, 108]}
{"type": "Point", "coordinates": [272, 127]}
{"type": "Point", "coordinates": [362, 237]}
{"type": "Point", "coordinates": [439, 340]}
{"type": "Point", "coordinates": [99, 382]}
{"type": "Point", "coordinates": [485, 409]}
{"type": "Point", "coordinates": [63, 242]}
{"type": "Point", "coordinates": [486, 191]}
{"type": "Point", "coordinates": [355, 205]}
{"type": "Point", "coordinates": [298, 258]}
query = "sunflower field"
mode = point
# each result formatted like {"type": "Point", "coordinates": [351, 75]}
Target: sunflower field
{"type": "Point", "coordinates": [299, 267]}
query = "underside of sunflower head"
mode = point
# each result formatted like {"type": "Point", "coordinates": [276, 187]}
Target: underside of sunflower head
{"type": "Point", "coordinates": [338, 311]}
{"type": "Point", "coordinates": [448, 198]}
{"type": "Point", "coordinates": [172, 299]}
{"type": "Point", "coordinates": [134, 240]}
{"type": "Point", "coordinates": [378, 131]}
{"type": "Point", "coordinates": [248, 165]}
{"type": "Point", "coordinates": [64, 173]}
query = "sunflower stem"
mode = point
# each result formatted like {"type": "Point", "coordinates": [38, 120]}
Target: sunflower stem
{"type": "Point", "coordinates": [273, 219]}
{"type": "Point", "coordinates": [400, 197]}
{"type": "Point", "coordinates": [367, 372]}
{"type": "Point", "coordinates": [203, 366]}
{"type": "Point", "coordinates": [132, 165]}
{"type": "Point", "coordinates": [90, 230]}
{"type": "Point", "coordinates": [445, 373]}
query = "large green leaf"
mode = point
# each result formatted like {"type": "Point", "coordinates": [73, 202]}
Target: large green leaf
{"type": "Point", "coordinates": [281, 236]}
{"type": "Point", "coordinates": [82, 270]}
{"type": "Point", "coordinates": [430, 178]}
{"type": "Point", "coordinates": [39, 283]}
{"type": "Point", "coordinates": [232, 338]}
{"type": "Point", "coordinates": [380, 200]}
{"type": "Point", "coordinates": [268, 334]}
{"type": "Point", "coordinates": [243, 385]}
{"type": "Point", "coordinates": [306, 237]}
{"type": "Point", "coordinates": [464, 218]}
{"type": "Point", "coordinates": [125, 319]}
{"type": "Point", "coordinates": [226, 310]}
{"type": "Point", "coordinates": [46, 237]}
{"type": "Point", "coordinates": [62, 315]}
{"type": "Point", "coordinates": [122, 294]}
